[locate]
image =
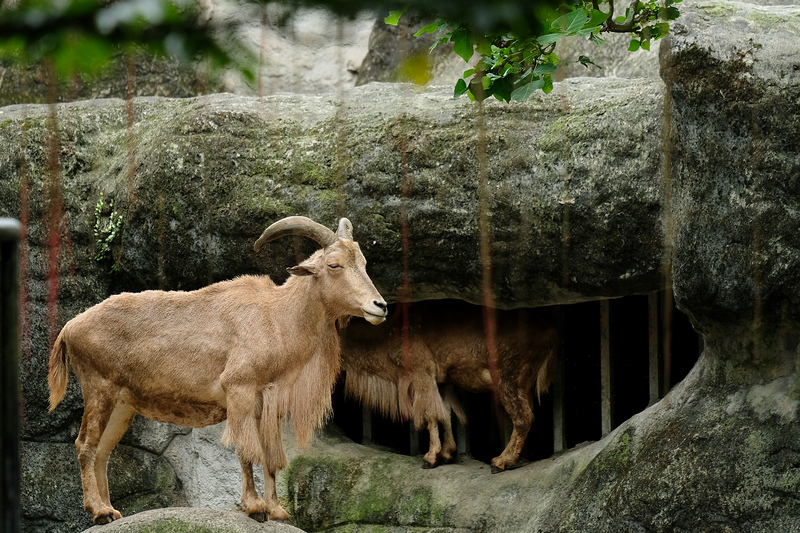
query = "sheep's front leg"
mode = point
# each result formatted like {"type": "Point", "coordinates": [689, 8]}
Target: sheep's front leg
{"type": "Point", "coordinates": [252, 504]}
{"type": "Point", "coordinates": [274, 456]}
{"type": "Point", "coordinates": [276, 510]}
{"type": "Point", "coordinates": [257, 508]}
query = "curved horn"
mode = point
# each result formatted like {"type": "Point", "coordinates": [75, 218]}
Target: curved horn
{"type": "Point", "coordinates": [297, 226]}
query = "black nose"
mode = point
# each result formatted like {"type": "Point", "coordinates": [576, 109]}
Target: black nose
{"type": "Point", "coordinates": [380, 305]}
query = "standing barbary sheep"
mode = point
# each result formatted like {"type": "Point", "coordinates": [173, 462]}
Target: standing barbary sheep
{"type": "Point", "coordinates": [447, 346]}
{"type": "Point", "coordinates": [246, 350]}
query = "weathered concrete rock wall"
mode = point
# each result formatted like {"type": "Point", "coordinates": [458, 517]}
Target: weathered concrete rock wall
{"type": "Point", "coordinates": [720, 452]}
{"type": "Point", "coordinates": [212, 172]}
{"type": "Point", "coordinates": [577, 212]}
{"type": "Point", "coordinates": [312, 51]}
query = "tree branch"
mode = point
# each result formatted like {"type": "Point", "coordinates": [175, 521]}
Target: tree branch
{"type": "Point", "coordinates": [612, 26]}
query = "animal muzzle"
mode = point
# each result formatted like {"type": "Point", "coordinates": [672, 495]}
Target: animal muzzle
{"type": "Point", "coordinates": [376, 312]}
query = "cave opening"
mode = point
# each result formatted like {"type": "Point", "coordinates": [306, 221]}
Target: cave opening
{"type": "Point", "coordinates": [630, 330]}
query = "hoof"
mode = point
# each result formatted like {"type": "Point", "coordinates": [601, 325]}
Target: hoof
{"type": "Point", "coordinates": [259, 516]}
{"type": "Point", "coordinates": [427, 466]}
{"type": "Point", "coordinates": [279, 515]}
{"type": "Point", "coordinates": [105, 518]}
{"type": "Point", "coordinates": [519, 463]}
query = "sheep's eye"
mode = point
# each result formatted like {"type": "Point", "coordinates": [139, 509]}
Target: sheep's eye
{"type": "Point", "coordinates": [334, 266]}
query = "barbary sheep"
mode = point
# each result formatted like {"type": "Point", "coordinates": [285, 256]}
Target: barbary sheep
{"type": "Point", "coordinates": [446, 345]}
{"type": "Point", "coordinates": [246, 349]}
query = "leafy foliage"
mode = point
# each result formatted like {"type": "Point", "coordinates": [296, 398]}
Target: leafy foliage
{"type": "Point", "coordinates": [513, 65]}
{"type": "Point", "coordinates": [85, 35]}
{"type": "Point", "coordinates": [104, 235]}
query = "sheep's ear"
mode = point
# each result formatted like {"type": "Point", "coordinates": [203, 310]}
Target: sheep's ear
{"type": "Point", "coordinates": [305, 269]}
{"type": "Point", "coordinates": [345, 230]}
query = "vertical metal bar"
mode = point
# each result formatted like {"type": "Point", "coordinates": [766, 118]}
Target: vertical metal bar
{"type": "Point", "coordinates": [606, 377]}
{"type": "Point", "coordinates": [462, 442]}
{"type": "Point", "coordinates": [366, 425]}
{"type": "Point", "coordinates": [413, 439]}
{"type": "Point", "coordinates": [655, 369]}
{"type": "Point", "coordinates": [461, 433]}
{"type": "Point", "coordinates": [10, 231]}
{"type": "Point", "coordinates": [666, 318]}
{"type": "Point", "coordinates": [557, 389]}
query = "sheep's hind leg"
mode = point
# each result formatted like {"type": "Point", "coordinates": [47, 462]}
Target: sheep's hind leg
{"type": "Point", "coordinates": [517, 404]}
{"type": "Point", "coordinates": [98, 409]}
{"type": "Point", "coordinates": [448, 452]}
{"type": "Point", "coordinates": [431, 459]}
{"type": "Point", "coordinates": [118, 424]}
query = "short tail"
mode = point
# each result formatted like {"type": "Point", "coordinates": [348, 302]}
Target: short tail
{"type": "Point", "coordinates": [58, 373]}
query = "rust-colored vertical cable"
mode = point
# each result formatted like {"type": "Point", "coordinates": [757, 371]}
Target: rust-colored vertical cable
{"type": "Point", "coordinates": [756, 157]}
{"type": "Point", "coordinates": [340, 166]}
{"type": "Point", "coordinates": [405, 286]}
{"type": "Point", "coordinates": [404, 296]}
{"type": "Point", "coordinates": [53, 216]}
{"type": "Point", "coordinates": [669, 244]}
{"type": "Point", "coordinates": [262, 45]}
{"type": "Point", "coordinates": [24, 213]}
{"type": "Point", "coordinates": [484, 230]}
{"type": "Point", "coordinates": [129, 94]}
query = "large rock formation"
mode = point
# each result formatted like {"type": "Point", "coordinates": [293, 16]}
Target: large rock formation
{"type": "Point", "coordinates": [212, 172]}
{"type": "Point", "coordinates": [590, 189]}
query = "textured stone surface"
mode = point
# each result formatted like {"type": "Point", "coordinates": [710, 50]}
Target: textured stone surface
{"type": "Point", "coordinates": [180, 520]}
{"type": "Point", "coordinates": [212, 172]}
{"type": "Point", "coordinates": [734, 144]}
{"type": "Point", "coordinates": [312, 51]}
{"type": "Point", "coordinates": [577, 211]}
{"type": "Point", "coordinates": [51, 497]}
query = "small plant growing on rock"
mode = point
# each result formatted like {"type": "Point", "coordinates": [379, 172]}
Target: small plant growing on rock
{"type": "Point", "coordinates": [105, 235]}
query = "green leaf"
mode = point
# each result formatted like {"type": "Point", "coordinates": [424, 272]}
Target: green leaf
{"type": "Point", "coordinates": [394, 17]}
{"type": "Point", "coordinates": [462, 43]}
{"type": "Point", "coordinates": [586, 61]}
{"type": "Point", "coordinates": [595, 39]}
{"type": "Point", "coordinates": [461, 88]}
{"type": "Point", "coordinates": [523, 92]}
{"type": "Point", "coordinates": [571, 22]}
{"type": "Point", "coordinates": [596, 18]}
{"type": "Point", "coordinates": [430, 28]}
{"type": "Point", "coordinates": [672, 13]}
{"type": "Point", "coordinates": [550, 38]}
{"type": "Point", "coordinates": [660, 30]}
{"type": "Point", "coordinates": [588, 31]}
{"type": "Point", "coordinates": [501, 89]}
{"type": "Point", "coordinates": [634, 45]}
{"type": "Point", "coordinates": [545, 68]}
{"type": "Point", "coordinates": [548, 84]}
{"type": "Point", "coordinates": [645, 45]}
{"type": "Point", "coordinates": [468, 73]}
{"type": "Point", "coordinates": [484, 46]}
